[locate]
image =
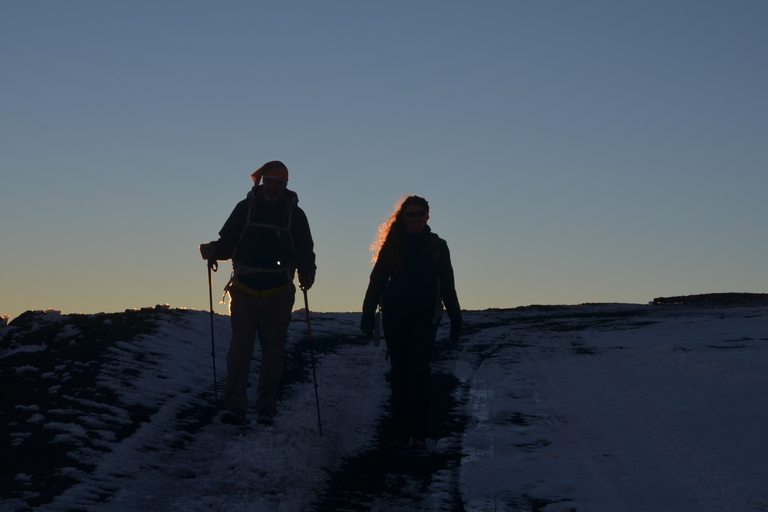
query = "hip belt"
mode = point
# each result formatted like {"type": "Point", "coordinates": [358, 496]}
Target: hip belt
{"type": "Point", "coordinates": [261, 293]}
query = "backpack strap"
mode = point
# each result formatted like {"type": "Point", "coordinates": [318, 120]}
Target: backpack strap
{"type": "Point", "coordinates": [435, 245]}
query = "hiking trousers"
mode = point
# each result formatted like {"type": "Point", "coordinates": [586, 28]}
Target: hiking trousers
{"type": "Point", "coordinates": [270, 318]}
{"type": "Point", "coordinates": [409, 342]}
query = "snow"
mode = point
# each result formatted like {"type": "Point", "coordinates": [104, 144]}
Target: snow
{"type": "Point", "coordinates": [596, 407]}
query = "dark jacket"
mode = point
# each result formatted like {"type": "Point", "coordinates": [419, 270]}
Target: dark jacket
{"type": "Point", "coordinates": [267, 242]}
{"type": "Point", "coordinates": [418, 284]}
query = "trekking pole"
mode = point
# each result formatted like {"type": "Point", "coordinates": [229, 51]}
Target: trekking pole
{"type": "Point", "coordinates": [312, 356]}
{"type": "Point", "coordinates": [212, 265]}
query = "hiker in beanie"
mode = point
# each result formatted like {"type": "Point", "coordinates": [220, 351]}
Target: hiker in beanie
{"type": "Point", "coordinates": [267, 237]}
{"type": "Point", "coordinates": [412, 278]}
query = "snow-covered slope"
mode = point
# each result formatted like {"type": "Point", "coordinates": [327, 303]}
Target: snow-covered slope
{"type": "Point", "coordinates": [605, 407]}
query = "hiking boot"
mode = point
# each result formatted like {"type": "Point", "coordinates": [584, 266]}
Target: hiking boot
{"type": "Point", "coordinates": [233, 416]}
{"type": "Point", "coordinates": [266, 419]}
{"type": "Point", "coordinates": [419, 444]}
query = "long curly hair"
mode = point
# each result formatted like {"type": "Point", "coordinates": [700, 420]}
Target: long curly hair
{"type": "Point", "coordinates": [392, 231]}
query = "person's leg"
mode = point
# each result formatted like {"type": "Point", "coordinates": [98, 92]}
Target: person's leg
{"type": "Point", "coordinates": [396, 333]}
{"type": "Point", "coordinates": [274, 319]}
{"type": "Point", "coordinates": [421, 342]}
{"type": "Point", "coordinates": [244, 323]}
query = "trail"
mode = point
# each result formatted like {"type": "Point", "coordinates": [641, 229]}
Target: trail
{"type": "Point", "coordinates": [182, 458]}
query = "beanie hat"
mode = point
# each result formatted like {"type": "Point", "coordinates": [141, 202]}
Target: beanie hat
{"type": "Point", "coordinates": [273, 169]}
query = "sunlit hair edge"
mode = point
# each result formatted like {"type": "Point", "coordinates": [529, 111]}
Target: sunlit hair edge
{"type": "Point", "coordinates": [385, 227]}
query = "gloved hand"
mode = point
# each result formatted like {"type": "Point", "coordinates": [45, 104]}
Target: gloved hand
{"type": "Point", "coordinates": [306, 282]}
{"type": "Point", "coordinates": [455, 333]}
{"type": "Point", "coordinates": [366, 324]}
{"type": "Point", "coordinates": [208, 251]}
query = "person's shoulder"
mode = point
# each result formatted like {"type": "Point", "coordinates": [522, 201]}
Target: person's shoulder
{"type": "Point", "coordinates": [291, 197]}
{"type": "Point", "coordinates": [434, 238]}
{"type": "Point", "coordinates": [242, 204]}
{"type": "Point", "coordinates": [439, 247]}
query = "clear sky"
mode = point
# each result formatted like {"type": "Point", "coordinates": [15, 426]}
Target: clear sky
{"type": "Point", "coordinates": [571, 151]}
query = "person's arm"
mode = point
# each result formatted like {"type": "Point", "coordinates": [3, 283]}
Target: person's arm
{"type": "Point", "coordinates": [304, 245]}
{"type": "Point", "coordinates": [229, 235]}
{"type": "Point", "coordinates": [376, 285]}
{"type": "Point", "coordinates": [448, 290]}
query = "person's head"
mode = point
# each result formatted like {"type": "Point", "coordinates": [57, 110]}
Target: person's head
{"type": "Point", "coordinates": [274, 176]}
{"type": "Point", "coordinates": [414, 213]}
{"type": "Point", "coordinates": [410, 217]}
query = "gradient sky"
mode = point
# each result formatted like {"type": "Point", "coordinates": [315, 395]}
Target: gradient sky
{"type": "Point", "coordinates": [571, 151]}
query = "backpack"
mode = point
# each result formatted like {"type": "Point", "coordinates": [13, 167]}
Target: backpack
{"type": "Point", "coordinates": [240, 268]}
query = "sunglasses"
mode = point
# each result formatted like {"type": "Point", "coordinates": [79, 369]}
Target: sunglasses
{"type": "Point", "coordinates": [420, 213]}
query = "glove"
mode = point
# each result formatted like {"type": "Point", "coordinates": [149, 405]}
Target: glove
{"type": "Point", "coordinates": [208, 251]}
{"type": "Point", "coordinates": [455, 333]}
{"type": "Point", "coordinates": [366, 324]}
{"type": "Point", "coordinates": [306, 282]}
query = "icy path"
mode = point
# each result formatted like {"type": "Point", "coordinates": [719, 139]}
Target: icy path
{"type": "Point", "coordinates": [220, 467]}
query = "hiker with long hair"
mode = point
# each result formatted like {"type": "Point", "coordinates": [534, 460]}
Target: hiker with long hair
{"type": "Point", "coordinates": [412, 279]}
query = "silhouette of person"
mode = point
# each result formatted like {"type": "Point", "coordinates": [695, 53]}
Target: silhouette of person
{"type": "Point", "coordinates": [411, 279]}
{"type": "Point", "coordinates": [267, 236]}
